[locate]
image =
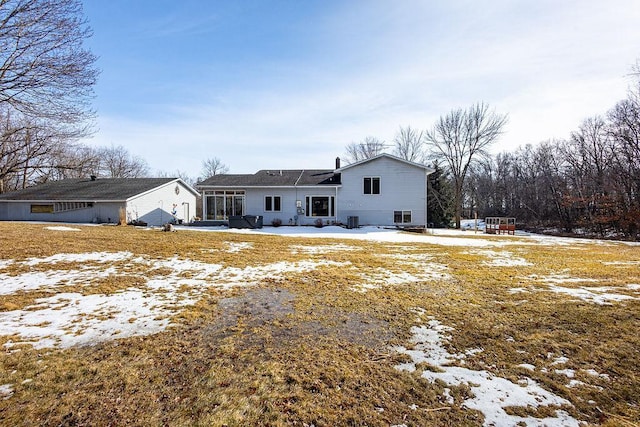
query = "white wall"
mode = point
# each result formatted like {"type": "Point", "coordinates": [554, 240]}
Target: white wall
{"type": "Point", "coordinates": [155, 207]}
{"type": "Point", "coordinates": [289, 196]}
{"type": "Point", "coordinates": [21, 211]}
{"type": "Point", "coordinates": [402, 187]}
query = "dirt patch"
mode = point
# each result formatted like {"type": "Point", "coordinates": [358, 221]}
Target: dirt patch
{"type": "Point", "coordinates": [273, 309]}
{"type": "Point", "coordinates": [257, 306]}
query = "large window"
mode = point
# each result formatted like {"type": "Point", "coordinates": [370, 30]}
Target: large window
{"type": "Point", "coordinates": [272, 203]}
{"type": "Point", "coordinates": [402, 217]}
{"type": "Point", "coordinates": [371, 185]}
{"type": "Point", "coordinates": [60, 207]}
{"type": "Point", "coordinates": [221, 204]}
{"type": "Point", "coordinates": [42, 208]}
{"type": "Point", "coordinates": [320, 205]}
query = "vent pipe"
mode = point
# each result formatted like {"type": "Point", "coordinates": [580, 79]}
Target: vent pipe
{"type": "Point", "coordinates": [337, 162]}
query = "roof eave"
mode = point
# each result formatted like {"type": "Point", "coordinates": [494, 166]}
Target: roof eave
{"type": "Point", "coordinates": [389, 156]}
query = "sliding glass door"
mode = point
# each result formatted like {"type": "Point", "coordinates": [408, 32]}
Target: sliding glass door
{"type": "Point", "coordinates": [221, 204]}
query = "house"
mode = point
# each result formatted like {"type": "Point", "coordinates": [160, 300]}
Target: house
{"type": "Point", "coordinates": [382, 190]}
{"type": "Point", "coordinates": [154, 201]}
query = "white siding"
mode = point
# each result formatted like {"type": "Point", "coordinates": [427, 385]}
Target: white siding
{"type": "Point", "coordinates": [289, 196]}
{"type": "Point", "coordinates": [153, 207]}
{"type": "Point", "coordinates": [402, 187]}
{"type": "Point", "coordinates": [100, 212]}
{"type": "Point", "coordinates": [255, 204]}
{"type": "Point", "coordinates": [156, 207]}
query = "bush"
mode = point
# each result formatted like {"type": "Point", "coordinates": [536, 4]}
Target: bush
{"type": "Point", "coordinates": [276, 222]}
{"type": "Point", "coordinates": [319, 223]}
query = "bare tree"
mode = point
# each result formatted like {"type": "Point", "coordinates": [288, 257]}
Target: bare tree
{"type": "Point", "coordinates": [24, 146]}
{"type": "Point", "coordinates": [213, 166]}
{"type": "Point", "coordinates": [71, 160]}
{"type": "Point", "coordinates": [461, 138]}
{"type": "Point", "coordinates": [117, 162]}
{"type": "Point", "coordinates": [365, 149]}
{"type": "Point", "coordinates": [177, 174]}
{"type": "Point", "coordinates": [46, 85]}
{"type": "Point", "coordinates": [45, 73]}
{"type": "Point", "coordinates": [409, 144]}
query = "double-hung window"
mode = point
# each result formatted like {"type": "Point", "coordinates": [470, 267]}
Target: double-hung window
{"type": "Point", "coordinates": [272, 203]}
{"type": "Point", "coordinates": [371, 185]}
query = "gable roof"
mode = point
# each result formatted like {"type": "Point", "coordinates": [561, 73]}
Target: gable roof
{"type": "Point", "coordinates": [275, 178]}
{"type": "Point", "coordinates": [101, 189]}
{"type": "Point", "coordinates": [389, 156]}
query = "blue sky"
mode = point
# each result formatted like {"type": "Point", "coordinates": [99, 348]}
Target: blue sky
{"type": "Point", "coordinates": [288, 84]}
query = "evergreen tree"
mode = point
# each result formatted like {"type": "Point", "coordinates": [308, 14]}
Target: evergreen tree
{"type": "Point", "coordinates": [439, 198]}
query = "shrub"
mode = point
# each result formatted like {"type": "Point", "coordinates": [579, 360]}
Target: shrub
{"type": "Point", "coordinates": [276, 222]}
{"type": "Point", "coordinates": [319, 223]}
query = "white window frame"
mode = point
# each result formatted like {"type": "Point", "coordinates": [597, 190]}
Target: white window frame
{"type": "Point", "coordinates": [309, 205]}
{"type": "Point", "coordinates": [402, 216]}
{"type": "Point", "coordinates": [364, 185]}
{"type": "Point", "coordinates": [273, 198]}
{"type": "Point", "coordinates": [223, 206]}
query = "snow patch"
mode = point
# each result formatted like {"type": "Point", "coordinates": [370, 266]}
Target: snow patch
{"type": "Point", "coordinates": [380, 277]}
{"type": "Point", "coordinates": [559, 278]}
{"type": "Point", "coordinates": [593, 295]}
{"type": "Point", "coordinates": [501, 258]}
{"type": "Point", "coordinates": [569, 373]}
{"type": "Point", "coordinates": [561, 360]}
{"type": "Point", "coordinates": [371, 233]}
{"type": "Point", "coordinates": [320, 249]}
{"type": "Point", "coordinates": [575, 383]}
{"type": "Point", "coordinates": [527, 366]}
{"type": "Point", "coordinates": [595, 373]}
{"type": "Point", "coordinates": [623, 263]}
{"type": "Point", "coordinates": [601, 295]}
{"type": "Point", "coordinates": [69, 319]}
{"type": "Point", "coordinates": [235, 247]}
{"type": "Point", "coordinates": [6, 391]}
{"type": "Point", "coordinates": [99, 257]}
{"type": "Point", "coordinates": [62, 228]}
{"type": "Point", "coordinates": [492, 393]}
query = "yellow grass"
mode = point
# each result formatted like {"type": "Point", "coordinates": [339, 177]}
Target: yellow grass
{"type": "Point", "coordinates": [316, 347]}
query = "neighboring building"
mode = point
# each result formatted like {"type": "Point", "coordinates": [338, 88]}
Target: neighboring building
{"type": "Point", "coordinates": [154, 201]}
{"type": "Point", "coordinates": [382, 190]}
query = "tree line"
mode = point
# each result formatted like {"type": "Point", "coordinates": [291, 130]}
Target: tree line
{"type": "Point", "coordinates": [588, 183]}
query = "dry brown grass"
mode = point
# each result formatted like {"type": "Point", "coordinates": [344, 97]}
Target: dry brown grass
{"type": "Point", "coordinates": [307, 348]}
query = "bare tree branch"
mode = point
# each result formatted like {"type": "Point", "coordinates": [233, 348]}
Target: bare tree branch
{"type": "Point", "coordinates": [365, 149]}
{"type": "Point", "coordinates": [213, 166]}
{"type": "Point", "coordinates": [117, 162]}
{"type": "Point", "coordinates": [409, 144]}
{"type": "Point", "coordinates": [45, 73]}
{"type": "Point", "coordinates": [461, 138]}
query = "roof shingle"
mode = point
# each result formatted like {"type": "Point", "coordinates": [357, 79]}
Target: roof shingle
{"type": "Point", "coordinates": [275, 178]}
{"type": "Point", "coordinates": [87, 189]}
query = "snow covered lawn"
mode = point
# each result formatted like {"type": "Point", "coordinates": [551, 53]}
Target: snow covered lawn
{"type": "Point", "coordinates": [288, 324]}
